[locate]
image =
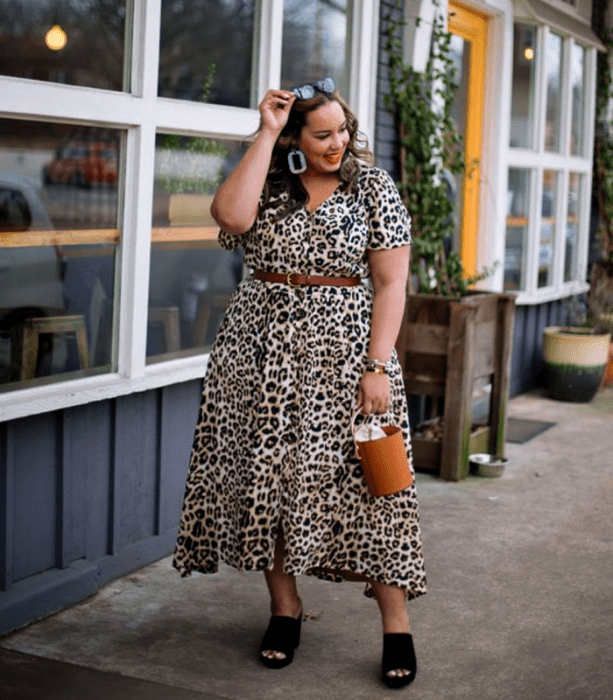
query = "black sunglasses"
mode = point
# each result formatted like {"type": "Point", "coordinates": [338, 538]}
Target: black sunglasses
{"type": "Point", "coordinates": [309, 90]}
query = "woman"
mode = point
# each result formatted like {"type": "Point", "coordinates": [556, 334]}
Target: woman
{"type": "Point", "coordinates": [274, 483]}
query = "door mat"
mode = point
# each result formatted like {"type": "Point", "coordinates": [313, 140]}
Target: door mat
{"type": "Point", "coordinates": [521, 430]}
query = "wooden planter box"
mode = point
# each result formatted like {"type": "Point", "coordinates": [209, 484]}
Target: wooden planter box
{"type": "Point", "coordinates": [445, 347]}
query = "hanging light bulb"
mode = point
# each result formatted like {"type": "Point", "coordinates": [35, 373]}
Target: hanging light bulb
{"type": "Point", "coordinates": [528, 53]}
{"type": "Point", "coordinates": [56, 38]}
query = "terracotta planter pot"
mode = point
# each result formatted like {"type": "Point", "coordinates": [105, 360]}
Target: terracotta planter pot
{"type": "Point", "coordinates": [575, 362]}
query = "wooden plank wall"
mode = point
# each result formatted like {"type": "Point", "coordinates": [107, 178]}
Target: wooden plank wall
{"type": "Point", "coordinates": [88, 494]}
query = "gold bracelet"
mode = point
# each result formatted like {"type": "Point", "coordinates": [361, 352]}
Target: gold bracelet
{"type": "Point", "coordinates": [378, 367]}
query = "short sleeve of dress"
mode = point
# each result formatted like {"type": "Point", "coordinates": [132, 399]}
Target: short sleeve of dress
{"type": "Point", "coordinates": [231, 241]}
{"type": "Point", "coordinates": [389, 225]}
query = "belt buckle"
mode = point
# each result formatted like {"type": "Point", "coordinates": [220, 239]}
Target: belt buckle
{"type": "Point", "coordinates": [289, 280]}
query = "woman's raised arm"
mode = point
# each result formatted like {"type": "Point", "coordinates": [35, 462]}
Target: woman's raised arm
{"type": "Point", "coordinates": [235, 205]}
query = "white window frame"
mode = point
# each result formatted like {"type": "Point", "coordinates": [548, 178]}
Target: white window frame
{"type": "Point", "coordinates": [142, 114]}
{"type": "Point", "coordinates": [537, 160]}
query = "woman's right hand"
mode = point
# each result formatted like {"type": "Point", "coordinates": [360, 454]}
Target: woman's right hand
{"type": "Point", "coordinates": [275, 109]}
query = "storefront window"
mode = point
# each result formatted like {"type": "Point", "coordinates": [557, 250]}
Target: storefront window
{"type": "Point", "coordinates": [78, 42]}
{"type": "Point", "coordinates": [553, 69]}
{"type": "Point", "coordinates": [315, 42]}
{"type": "Point", "coordinates": [573, 222]}
{"type": "Point", "coordinates": [191, 277]}
{"type": "Point", "coordinates": [577, 86]}
{"type": "Point", "coordinates": [59, 241]}
{"type": "Point", "coordinates": [206, 49]}
{"type": "Point", "coordinates": [548, 227]}
{"type": "Point", "coordinates": [524, 82]}
{"type": "Point", "coordinates": [518, 224]}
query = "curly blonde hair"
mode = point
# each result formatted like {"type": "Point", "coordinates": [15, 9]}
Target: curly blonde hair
{"type": "Point", "coordinates": [280, 179]}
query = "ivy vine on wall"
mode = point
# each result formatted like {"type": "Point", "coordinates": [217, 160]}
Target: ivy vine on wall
{"type": "Point", "coordinates": [430, 156]}
{"type": "Point", "coordinates": [603, 147]}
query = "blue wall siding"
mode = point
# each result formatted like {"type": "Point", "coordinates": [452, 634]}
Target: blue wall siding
{"type": "Point", "coordinates": [526, 362]}
{"type": "Point", "coordinates": [87, 457]}
{"type": "Point", "coordinates": [88, 494]}
{"type": "Point", "coordinates": [35, 496]}
{"type": "Point", "coordinates": [135, 469]}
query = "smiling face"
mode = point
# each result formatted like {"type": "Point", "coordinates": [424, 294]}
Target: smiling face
{"type": "Point", "coordinates": [324, 138]}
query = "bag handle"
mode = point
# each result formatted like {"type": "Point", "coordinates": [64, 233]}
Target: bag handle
{"type": "Point", "coordinates": [354, 427]}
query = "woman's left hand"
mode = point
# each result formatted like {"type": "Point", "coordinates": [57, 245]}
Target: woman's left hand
{"type": "Point", "coordinates": [374, 393]}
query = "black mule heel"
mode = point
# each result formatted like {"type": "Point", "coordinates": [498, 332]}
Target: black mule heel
{"type": "Point", "coordinates": [398, 653]}
{"type": "Point", "coordinates": [283, 634]}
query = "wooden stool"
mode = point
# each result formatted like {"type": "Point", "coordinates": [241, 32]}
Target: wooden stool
{"type": "Point", "coordinates": [32, 328]}
{"type": "Point", "coordinates": [168, 316]}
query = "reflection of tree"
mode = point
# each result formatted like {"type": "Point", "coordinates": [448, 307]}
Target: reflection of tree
{"type": "Point", "coordinates": [198, 33]}
{"type": "Point", "coordinates": [183, 155]}
{"type": "Point", "coordinates": [314, 41]}
{"type": "Point", "coordinates": [93, 56]}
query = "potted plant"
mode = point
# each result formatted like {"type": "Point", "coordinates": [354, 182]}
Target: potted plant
{"type": "Point", "coordinates": [451, 336]}
{"type": "Point", "coordinates": [576, 355]}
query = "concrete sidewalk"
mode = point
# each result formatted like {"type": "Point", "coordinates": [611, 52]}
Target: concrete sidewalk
{"type": "Point", "coordinates": [520, 604]}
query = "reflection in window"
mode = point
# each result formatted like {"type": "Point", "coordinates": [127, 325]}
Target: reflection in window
{"type": "Point", "coordinates": [573, 221]}
{"type": "Point", "coordinates": [548, 228]}
{"type": "Point", "coordinates": [206, 51]}
{"type": "Point", "coordinates": [191, 277]}
{"type": "Point", "coordinates": [315, 42]}
{"type": "Point", "coordinates": [459, 53]}
{"type": "Point", "coordinates": [518, 223]}
{"type": "Point", "coordinates": [79, 42]}
{"type": "Point", "coordinates": [58, 247]}
{"type": "Point", "coordinates": [524, 83]}
{"type": "Point", "coordinates": [577, 86]}
{"type": "Point", "coordinates": [553, 68]}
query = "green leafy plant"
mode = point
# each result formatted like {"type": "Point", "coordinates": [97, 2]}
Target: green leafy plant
{"type": "Point", "coordinates": [175, 150]}
{"type": "Point", "coordinates": [430, 153]}
{"type": "Point", "coordinates": [603, 148]}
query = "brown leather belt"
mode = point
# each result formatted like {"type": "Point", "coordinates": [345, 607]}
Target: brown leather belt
{"type": "Point", "coordinates": [295, 280]}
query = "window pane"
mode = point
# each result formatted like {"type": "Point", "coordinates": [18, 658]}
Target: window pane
{"type": "Point", "coordinates": [191, 277]}
{"type": "Point", "coordinates": [315, 42]}
{"type": "Point", "coordinates": [573, 221]}
{"type": "Point", "coordinates": [577, 78]}
{"type": "Point", "coordinates": [548, 228]}
{"type": "Point", "coordinates": [524, 82]}
{"type": "Point", "coordinates": [59, 242]}
{"type": "Point", "coordinates": [206, 49]}
{"type": "Point", "coordinates": [518, 225]}
{"type": "Point", "coordinates": [553, 68]}
{"type": "Point", "coordinates": [460, 54]}
{"type": "Point", "coordinates": [79, 42]}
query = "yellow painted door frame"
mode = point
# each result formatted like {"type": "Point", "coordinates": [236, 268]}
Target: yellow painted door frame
{"type": "Point", "coordinates": [472, 27]}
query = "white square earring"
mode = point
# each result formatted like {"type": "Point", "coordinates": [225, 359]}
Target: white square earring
{"type": "Point", "coordinates": [296, 161]}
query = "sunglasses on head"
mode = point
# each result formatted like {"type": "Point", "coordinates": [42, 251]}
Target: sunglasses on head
{"type": "Point", "coordinates": [309, 90]}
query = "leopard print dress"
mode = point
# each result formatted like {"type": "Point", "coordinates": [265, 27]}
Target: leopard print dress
{"type": "Point", "coordinates": [273, 444]}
